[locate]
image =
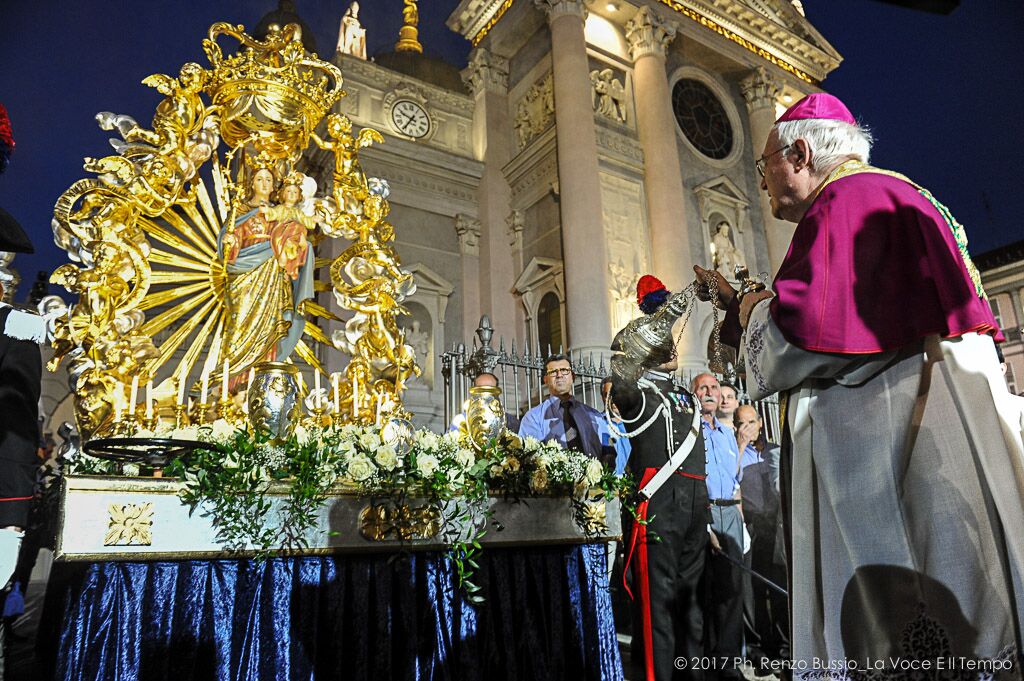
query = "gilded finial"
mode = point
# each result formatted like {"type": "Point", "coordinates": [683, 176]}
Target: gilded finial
{"type": "Point", "coordinates": [408, 40]}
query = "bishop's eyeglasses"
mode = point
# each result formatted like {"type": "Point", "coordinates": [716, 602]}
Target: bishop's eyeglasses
{"type": "Point", "coordinates": [558, 372]}
{"type": "Point", "coordinates": [763, 161]}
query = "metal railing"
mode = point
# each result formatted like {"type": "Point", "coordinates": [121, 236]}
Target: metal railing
{"type": "Point", "coordinates": [519, 373]}
{"type": "Point", "coordinates": [520, 377]}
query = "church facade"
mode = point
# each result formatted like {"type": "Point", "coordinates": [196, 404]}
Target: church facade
{"type": "Point", "coordinates": [585, 144]}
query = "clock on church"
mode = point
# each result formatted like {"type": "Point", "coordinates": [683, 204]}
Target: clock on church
{"type": "Point", "coordinates": [409, 118]}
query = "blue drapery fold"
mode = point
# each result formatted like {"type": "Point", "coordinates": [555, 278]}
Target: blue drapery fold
{"type": "Point", "coordinates": [547, 616]}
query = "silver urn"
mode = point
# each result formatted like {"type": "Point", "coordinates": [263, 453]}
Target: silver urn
{"type": "Point", "coordinates": [274, 399]}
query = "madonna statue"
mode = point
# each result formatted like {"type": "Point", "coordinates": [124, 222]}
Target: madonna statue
{"type": "Point", "coordinates": [269, 267]}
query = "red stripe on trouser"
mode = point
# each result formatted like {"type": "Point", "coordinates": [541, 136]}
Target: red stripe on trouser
{"type": "Point", "coordinates": [15, 498]}
{"type": "Point", "coordinates": [645, 590]}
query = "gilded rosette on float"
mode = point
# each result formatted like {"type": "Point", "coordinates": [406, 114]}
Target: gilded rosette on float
{"type": "Point", "coordinates": [189, 284]}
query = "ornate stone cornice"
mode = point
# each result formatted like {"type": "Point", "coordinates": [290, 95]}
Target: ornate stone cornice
{"type": "Point", "coordinates": [468, 230]}
{"type": "Point", "coordinates": [760, 89]}
{"type": "Point", "coordinates": [561, 8]}
{"type": "Point", "coordinates": [649, 34]}
{"type": "Point", "coordinates": [486, 71]}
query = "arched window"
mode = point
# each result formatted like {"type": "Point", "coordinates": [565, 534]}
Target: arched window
{"type": "Point", "coordinates": [549, 323]}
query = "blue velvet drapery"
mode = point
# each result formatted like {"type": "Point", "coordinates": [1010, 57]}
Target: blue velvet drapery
{"type": "Point", "coordinates": [547, 616]}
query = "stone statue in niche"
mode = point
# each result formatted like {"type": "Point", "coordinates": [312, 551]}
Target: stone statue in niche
{"type": "Point", "coordinates": [352, 36]}
{"type": "Point", "coordinates": [608, 95]}
{"type": "Point", "coordinates": [724, 254]}
{"type": "Point", "coordinates": [419, 340]}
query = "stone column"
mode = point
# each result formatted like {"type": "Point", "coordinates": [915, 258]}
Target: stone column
{"type": "Point", "coordinates": [468, 231]}
{"type": "Point", "coordinates": [649, 36]}
{"type": "Point", "coordinates": [487, 78]}
{"type": "Point", "coordinates": [761, 92]}
{"type": "Point", "coordinates": [587, 285]}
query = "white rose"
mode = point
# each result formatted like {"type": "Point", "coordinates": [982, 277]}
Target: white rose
{"type": "Point", "coordinates": [144, 433]}
{"type": "Point", "coordinates": [465, 457]}
{"type": "Point", "coordinates": [185, 433]}
{"type": "Point", "coordinates": [511, 463]}
{"type": "Point", "coordinates": [369, 440]}
{"type": "Point", "coordinates": [130, 469]}
{"type": "Point", "coordinates": [530, 443]}
{"type": "Point", "coordinates": [360, 468]}
{"type": "Point", "coordinates": [496, 470]}
{"type": "Point", "coordinates": [221, 430]}
{"type": "Point", "coordinates": [387, 458]}
{"type": "Point", "coordinates": [427, 464]}
{"type": "Point", "coordinates": [301, 434]}
{"type": "Point", "coordinates": [593, 473]}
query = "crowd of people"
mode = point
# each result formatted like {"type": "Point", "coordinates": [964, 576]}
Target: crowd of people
{"type": "Point", "coordinates": [901, 446]}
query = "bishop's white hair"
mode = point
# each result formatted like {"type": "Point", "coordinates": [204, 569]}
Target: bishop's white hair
{"type": "Point", "coordinates": [831, 142]}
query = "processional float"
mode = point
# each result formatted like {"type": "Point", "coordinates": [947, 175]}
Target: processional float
{"type": "Point", "coordinates": [194, 256]}
{"type": "Point", "coordinates": [195, 262]}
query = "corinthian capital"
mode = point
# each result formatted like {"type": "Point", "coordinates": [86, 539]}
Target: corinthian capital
{"type": "Point", "coordinates": [468, 230]}
{"type": "Point", "coordinates": [648, 34]}
{"type": "Point", "coordinates": [486, 71]}
{"type": "Point", "coordinates": [558, 8]}
{"type": "Point", "coordinates": [760, 89]}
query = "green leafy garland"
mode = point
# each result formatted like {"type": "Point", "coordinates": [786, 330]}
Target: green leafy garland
{"type": "Point", "coordinates": [232, 478]}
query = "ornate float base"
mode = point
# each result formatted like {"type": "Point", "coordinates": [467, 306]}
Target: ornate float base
{"type": "Point", "coordinates": [114, 518]}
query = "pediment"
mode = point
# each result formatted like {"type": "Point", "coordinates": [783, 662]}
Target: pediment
{"type": "Point", "coordinates": [537, 272]}
{"type": "Point", "coordinates": [784, 14]}
{"type": "Point", "coordinates": [723, 188]}
{"type": "Point", "coordinates": [429, 281]}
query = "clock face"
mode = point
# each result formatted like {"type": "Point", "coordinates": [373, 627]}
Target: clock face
{"type": "Point", "coordinates": [409, 118]}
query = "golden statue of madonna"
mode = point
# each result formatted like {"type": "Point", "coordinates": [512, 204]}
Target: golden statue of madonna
{"type": "Point", "coordinates": [183, 273]}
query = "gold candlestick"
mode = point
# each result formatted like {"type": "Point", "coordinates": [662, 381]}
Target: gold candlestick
{"type": "Point", "coordinates": [224, 410]}
{"type": "Point", "coordinates": [201, 408]}
{"type": "Point", "coordinates": [180, 416]}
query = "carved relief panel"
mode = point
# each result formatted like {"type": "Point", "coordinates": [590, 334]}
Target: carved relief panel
{"type": "Point", "coordinates": [626, 239]}
{"type": "Point", "coordinates": [535, 111]}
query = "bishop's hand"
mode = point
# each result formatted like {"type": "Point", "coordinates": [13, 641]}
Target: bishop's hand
{"type": "Point", "coordinates": [707, 283]}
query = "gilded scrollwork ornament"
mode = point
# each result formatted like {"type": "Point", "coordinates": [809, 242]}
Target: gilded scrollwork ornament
{"type": "Point", "coordinates": [186, 278]}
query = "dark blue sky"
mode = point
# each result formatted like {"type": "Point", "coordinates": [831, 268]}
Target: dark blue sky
{"type": "Point", "coordinates": [943, 94]}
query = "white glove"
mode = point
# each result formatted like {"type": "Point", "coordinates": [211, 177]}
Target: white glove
{"type": "Point", "coordinates": [10, 544]}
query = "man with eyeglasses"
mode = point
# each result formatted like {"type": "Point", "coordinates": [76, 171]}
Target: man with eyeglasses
{"type": "Point", "coordinates": [902, 468]}
{"type": "Point", "coordinates": [564, 419]}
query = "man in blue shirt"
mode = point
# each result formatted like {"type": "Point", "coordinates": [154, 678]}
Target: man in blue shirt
{"type": "Point", "coordinates": [724, 618]}
{"type": "Point", "coordinates": [563, 419]}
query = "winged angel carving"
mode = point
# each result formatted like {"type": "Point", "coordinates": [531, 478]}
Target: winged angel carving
{"type": "Point", "coordinates": [194, 245]}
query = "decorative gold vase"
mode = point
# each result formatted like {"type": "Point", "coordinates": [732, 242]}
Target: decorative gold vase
{"type": "Point", "coordinates": [485, 417]}
{"type": "Point", "coordinates": [274, 399]}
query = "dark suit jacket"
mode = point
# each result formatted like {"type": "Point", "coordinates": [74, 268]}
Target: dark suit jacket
{"type": "Point", "coordinates": [20, 380]}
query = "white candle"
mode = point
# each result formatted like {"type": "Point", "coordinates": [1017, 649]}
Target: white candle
{"type": "Point", "coordinates": [206, 386]}
{"type": "Point", "coordinates": [355, 398]}
{"type": "Point", "coordinates": [380, 403]}
{"type": "Point", "coordinates": [134, 394]}
{"type": "Point", "coordinates": [316, 387]}
{"type": "Point", "coordinates": [118, 396]}
{"type": "Point", "coordinates": [337, 402]}
{"type": "Point", "coordinates": [149, 400]}
{"type": "Point", "coordinates": [224, 383]}
{"type": "Point", "coordinates": [182, 382]}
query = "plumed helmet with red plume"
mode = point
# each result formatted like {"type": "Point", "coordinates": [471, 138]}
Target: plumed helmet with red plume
{"type": "Point", "coordinates": [651, 294]}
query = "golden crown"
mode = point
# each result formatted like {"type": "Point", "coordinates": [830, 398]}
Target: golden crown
{"type": "Point", "coordinates": [270, 91]}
